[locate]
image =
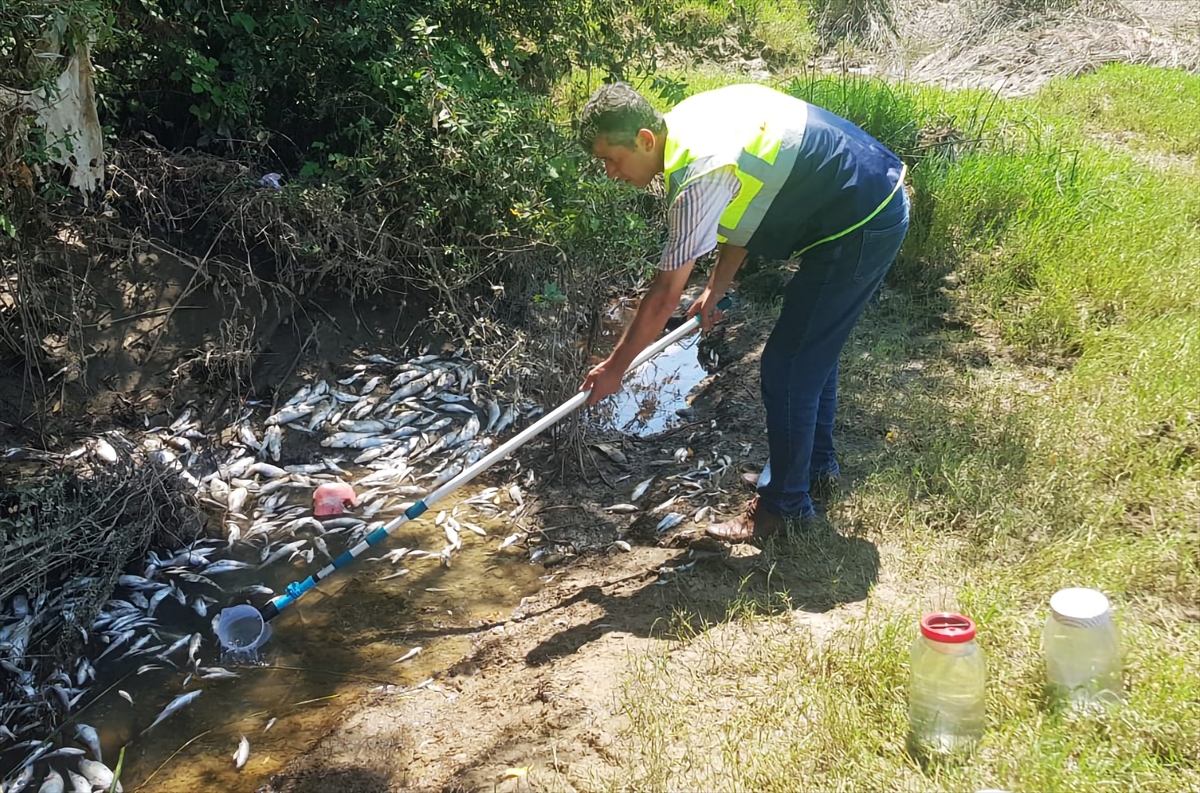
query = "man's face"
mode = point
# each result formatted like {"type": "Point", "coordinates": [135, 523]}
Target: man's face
{"type": "Point", "coordinates": [636, 166]}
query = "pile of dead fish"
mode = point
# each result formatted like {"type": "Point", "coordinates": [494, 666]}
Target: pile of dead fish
{"type": "Point", "coordinates": [411, 426]}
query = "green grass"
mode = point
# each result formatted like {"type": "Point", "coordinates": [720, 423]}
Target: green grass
{"type": "Point", "coordinates": [1049, 437]}
{"type": "Point", "coordinates": [1113, 101]}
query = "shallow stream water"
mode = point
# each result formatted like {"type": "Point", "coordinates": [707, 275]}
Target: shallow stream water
{"type": "Point", "coordinates": [337, 642]}
{"type": "Point", "coordinates": [342, 639]}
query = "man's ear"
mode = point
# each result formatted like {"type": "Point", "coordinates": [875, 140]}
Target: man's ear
{"type": "Point", "coordinates": [646, 139]}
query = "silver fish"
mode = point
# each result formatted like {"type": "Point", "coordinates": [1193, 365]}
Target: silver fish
{"type": "Point", "coordinates": [270, 724]}
{"type": "Point", "coordinates": [320, 414]}
{"type": "Point", "coordinates": [273, 442]}
{"type": "Point", "coordinates": [509, 541]}
{"type": "Point", "coordinates": [98, 774]}
{"type": "Point", "coordinates": [247, 437]}
{"type": "Point", "coordinates": [242, 754]}
{"type": "Point", "coordinates": [53, 783]}
{"type": "Point", "coordinates": [216, 673]}
{"type": "Point", "coordinates": [22, 780]}
{"type": "Point", "coordinates": [493, 413]}
{"type": "Point", "coordinates": [181, 701]}
{"type": "Point", "coordinates": [282, 551]}
{"type": "Point", "coordinates": [408, 656]}
{"type": "Point", "coordinates": [369, 386]}
{"type": "Point", "coordinates": [178, 643]}
{"type": "Point", "coordinates": [237, 499]}
{"type": "Point", "coordinates": [670, 521]}
{"type": "Point", "coordinates": [226, 566]}
{"type": "Point", "coordinates": [79, 784]}
{"type": "Point", "coordinates": [622, 508]}
{"type": "Point", "coordinates": [65, 751]}
{"type": "Point", "coordinates": [194, 645]}
{"type": "Point", "coordinates": [267, 470]}
{"type": "Point", "coordinates": [87, 735]}
{"type": "Point", "coordinates": [125, 695]}
{"type": "Point", "coordinates": [640, 490]}
{"type": "Point", "coordinates": [290, 413]}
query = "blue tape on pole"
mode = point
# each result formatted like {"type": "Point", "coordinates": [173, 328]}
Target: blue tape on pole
{"type": "Point", "coordinates": [374, 538]}
{"type": "Point", "coordinates": [282, 602]}
{"type": "Point", "coordinates": [342, 560]}
{"type": "Point", "coordinates": [416, 510]}
{"type": "Point", "coordinates": [298, 588]}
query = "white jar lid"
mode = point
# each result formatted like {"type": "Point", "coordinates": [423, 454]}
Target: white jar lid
{"type": "Point", "coordinates": [1080, 607]}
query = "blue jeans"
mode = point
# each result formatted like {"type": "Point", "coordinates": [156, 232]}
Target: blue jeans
{"type": "Point", "coordinates": [824, 300]}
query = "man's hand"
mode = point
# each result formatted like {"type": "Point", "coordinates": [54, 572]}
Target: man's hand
{"type": "Point", "coordinates": [705, 307]}
{"type": "Point", "coordinates": [604, 380]}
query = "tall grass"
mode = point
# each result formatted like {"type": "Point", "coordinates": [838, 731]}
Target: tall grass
{"type": "Point", "coordinates": [1048, 437]}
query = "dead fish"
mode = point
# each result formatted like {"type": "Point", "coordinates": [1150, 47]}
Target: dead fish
{"type": "Point", "coordinates": [509, 540]}
{"type": "Point", "coordinates": [290, 413]}
{"type": "Point", "coordinates": [640, 490]}
{"type": "Point", "coordinates": [98, 774]}
{"type": "Point", "coordinates": [622, 508]}
{"type": "Point", "coordinates": [624, 546]}
{"type": "Point", "coordinates": [670, 521]}
{"type": "Point", "coordinates": [242, 754]}
{"type": "Point", "coordinates": [226, 566]}
{"type": "Point", "coordinates": [663, 507]}
{"type": "Point", "coordinates": [267, 470]}
{"type": "Point", "coordinates": [87, 735]}
{"type": "Point", "coordinates": [408, 656]}
{"type": "Point", "coordinates": [217, 673]}
{"type": "Point", "coordinates": [472, 527]}
{"type": "Point", "coordinates": [53, 783]}
{"type": "Point", "coordinates": [493, 413]}
{"type": "Point", "coordinates": [247, 437]}
{"type": "Point", "coordinates": [273, 442]}
{"type": "Point", "coordinates": [270, 724]}
{"type": "Point", "coordinates": [79, 783]}
{"type": "Point", "coordinates": [64, 751]}
{"type": "Point", "coordinates": [181, 701]}
{"type": "Point", "coordinates": [397, 574]}
{"type": "Point", "coordinates": [22, 781]}
{"type": "Point", "coordinates": [125, 696]}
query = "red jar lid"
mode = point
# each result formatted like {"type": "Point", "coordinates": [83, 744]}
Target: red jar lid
{"type": "Point", "coordinates": [948, 628]}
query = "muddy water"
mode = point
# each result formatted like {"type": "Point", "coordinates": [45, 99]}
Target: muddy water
{"type": "Point", "coordinates": [338, 642]}
{"type": "Point", "coordinates": [653, 393]}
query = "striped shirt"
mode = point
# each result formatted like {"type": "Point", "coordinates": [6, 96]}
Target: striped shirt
{"type": "Point", "coordinates": [694, 216]}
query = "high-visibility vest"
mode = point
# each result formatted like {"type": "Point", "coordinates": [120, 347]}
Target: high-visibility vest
{"type": "Point", "coordinates": [807, 176]}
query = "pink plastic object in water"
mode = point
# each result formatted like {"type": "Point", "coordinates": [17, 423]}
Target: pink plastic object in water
{"type": "Point", "coordinates": [332, 497]}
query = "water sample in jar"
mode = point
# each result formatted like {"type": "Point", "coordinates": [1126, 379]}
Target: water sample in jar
{"type": "Point", "coordinates": [1082, 649]}
{"type": "Point", "coordinates": [946, 694]}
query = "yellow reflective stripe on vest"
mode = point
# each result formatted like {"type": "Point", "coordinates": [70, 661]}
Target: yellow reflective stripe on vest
{"type": "Point", "coordinates": [864, 221]}
{"type": "Point", "coordinates": [756, 130]}
{"type": "Point", "coordinates": [746, 212]}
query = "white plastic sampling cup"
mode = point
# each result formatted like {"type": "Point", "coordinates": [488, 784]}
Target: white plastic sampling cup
{"type": "Point", "coordinates": [242, 629]}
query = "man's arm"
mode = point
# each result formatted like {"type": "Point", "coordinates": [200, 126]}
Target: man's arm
{"type": "Point", "coordinates": [729, 261]}
{"type": "Point", "coordinates": [648, 322]}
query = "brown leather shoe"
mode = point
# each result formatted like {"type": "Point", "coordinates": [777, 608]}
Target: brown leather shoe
{"type": "Point", "coordinates": [755, 523]}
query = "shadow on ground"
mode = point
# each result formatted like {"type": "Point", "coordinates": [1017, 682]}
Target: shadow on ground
{"type": "Point", "coordinates": [814, 572]}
